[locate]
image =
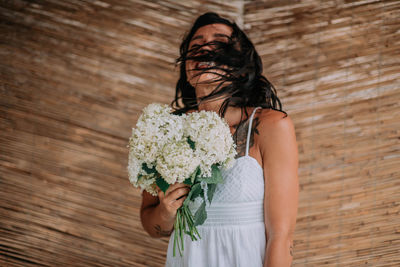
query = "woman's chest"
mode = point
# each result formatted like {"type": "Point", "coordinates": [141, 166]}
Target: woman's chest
{"type": "Point", "coordinates": [244, 182]}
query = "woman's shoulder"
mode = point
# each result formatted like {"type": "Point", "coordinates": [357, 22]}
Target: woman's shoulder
{"type": "Point", "coordinates": [273, 122]}
{"type": "Point", "coordinates": [271, 117]}
{"type": "Point", "coordinates": [276, 134]}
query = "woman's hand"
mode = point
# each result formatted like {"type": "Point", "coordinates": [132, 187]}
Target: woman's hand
{"type": "Point", "coordinates": [172, 200]}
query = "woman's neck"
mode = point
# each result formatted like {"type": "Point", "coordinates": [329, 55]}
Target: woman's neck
{"type": "Point", "coordinates": [232, 114]}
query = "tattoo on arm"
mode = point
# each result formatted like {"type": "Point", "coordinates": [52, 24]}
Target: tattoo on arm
{"type": "Point", "coordinates": [240, 136]}
{"type": "Point", "coordinates": [162, 232]}
{"type": "Point", "coordinates": [240, 139]}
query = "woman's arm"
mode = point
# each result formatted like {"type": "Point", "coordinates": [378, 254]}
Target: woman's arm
{"type": "Point", "coordinates": [158, 213]}
{"type": "Point", "coordinates": [278, 147]}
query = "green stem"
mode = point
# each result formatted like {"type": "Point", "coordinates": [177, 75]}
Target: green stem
{"type": "Point", "coordinates": [182, 218]}
{"type": "Point", "coordinates": [175, 234]}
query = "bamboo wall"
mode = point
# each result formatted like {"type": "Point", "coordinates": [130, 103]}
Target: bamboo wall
{"type": "Point", "coordinates": [74, 76]}
{"type": "Point", "coordinates": [336, 65]}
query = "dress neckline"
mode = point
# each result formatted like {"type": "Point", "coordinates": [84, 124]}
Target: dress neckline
{"type": "Point", "coordinates": [251, 158]}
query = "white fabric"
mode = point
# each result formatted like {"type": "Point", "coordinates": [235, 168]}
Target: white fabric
{"type": "Point", "coordinates": [233, 234]}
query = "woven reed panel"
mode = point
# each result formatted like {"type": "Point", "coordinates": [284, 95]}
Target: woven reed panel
{"type": "Point", "coordinates": [74, 76]}
{"type": "Point", "coordinates": [336, 66]}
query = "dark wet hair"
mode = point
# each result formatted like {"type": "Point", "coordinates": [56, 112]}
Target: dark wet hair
{"type": "Point", "coordinates": [242, 80]}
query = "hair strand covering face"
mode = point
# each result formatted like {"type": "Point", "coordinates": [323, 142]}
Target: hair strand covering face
{"type": "Point", "coordinates": [236, 66]}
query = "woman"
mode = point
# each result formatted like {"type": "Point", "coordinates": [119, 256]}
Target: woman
{"type": "Point", "coordinates": [252, 217]}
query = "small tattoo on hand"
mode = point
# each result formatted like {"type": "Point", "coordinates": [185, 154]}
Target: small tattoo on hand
{"type": "Point", "coordinates": [162, 232]}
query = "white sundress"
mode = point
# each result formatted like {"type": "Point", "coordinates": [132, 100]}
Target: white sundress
{"type": "Point", "coordinates": [233, 234]}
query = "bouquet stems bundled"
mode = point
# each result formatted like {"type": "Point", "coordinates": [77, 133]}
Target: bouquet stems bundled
{"type": "Point", "coordinates": [185, 221]}
{"type": "Point", "coordinates": [184, 218]}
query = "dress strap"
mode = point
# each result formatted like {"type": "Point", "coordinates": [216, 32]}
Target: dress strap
{"type": "Point", "coordinates": [249, 131]}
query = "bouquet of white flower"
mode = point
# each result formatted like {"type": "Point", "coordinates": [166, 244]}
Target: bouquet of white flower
{"type": "Point", "coordinates": [191, 148]}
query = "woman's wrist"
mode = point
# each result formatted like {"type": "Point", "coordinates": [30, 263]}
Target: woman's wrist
{"type": "Point", "coordinates": [165, 217]}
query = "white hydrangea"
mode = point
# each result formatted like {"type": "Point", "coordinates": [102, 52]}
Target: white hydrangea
{"type": "Point", "coordinates": [134, 167]}
{"type": "Point", "coordinates": [160, 140]}
{"type": "Point", "coordinates": [146, 181]}
{"type": "Point", "coordinates": [177, 162]}
{"type": "Point", "coordinates": [212, 138]}
{"type": "Point", "coordinates": [154, 128]}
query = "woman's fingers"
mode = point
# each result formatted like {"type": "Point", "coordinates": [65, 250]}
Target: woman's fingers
{"type": "Point", "coordinates": [173, 198]}
{"type": "Point", "coordinates": [179, 192]}
{"type": "Point", "coordinates": [174, 186]}
{"type": "Point", "coordinates": [178, 203]}
{"type": "Point", "coordinates": [171, 187]}
{"type": "Point", "coordinates": [161, 194]}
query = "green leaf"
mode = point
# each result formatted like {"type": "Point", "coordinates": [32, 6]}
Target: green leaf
{"type": "Point", "coordinates": [162, 184]}
{"type": "Point", "coordinates": [147, 169]}
{"type": "Point", "coordinates": [196, 189]}
{"type": "Point", "coordinates": [193, 193]}
{"type": "Point", "coordinates": [195, 174]}
{"type": "Point", "coordinates": [216, 176]}
{"type": "Point", "coordinates": [201, 215]}
{"type": "Point", "coordinates": [210, 191]}
{"type": "Point", "coordinates": [191, 143]}
{"type": "Point", "coordinates": [186, 202]}
{"type": "Point", "coordinates": [192, 178]}
{"type": "Point", "coordinates": [188, 181]}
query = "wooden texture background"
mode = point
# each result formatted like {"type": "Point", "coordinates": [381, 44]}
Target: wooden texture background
{"type": "Point", "coordinates": [74, 76]}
